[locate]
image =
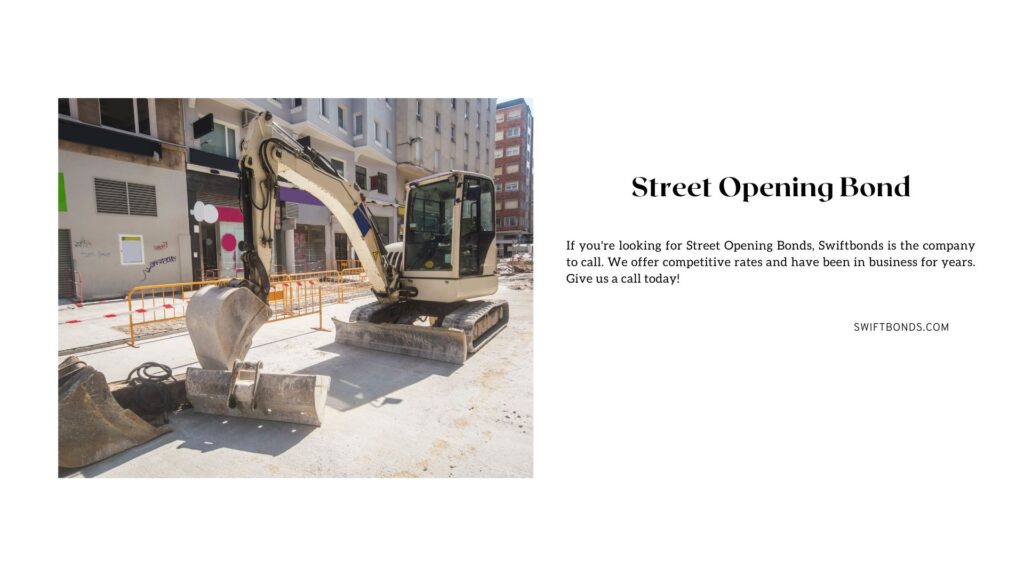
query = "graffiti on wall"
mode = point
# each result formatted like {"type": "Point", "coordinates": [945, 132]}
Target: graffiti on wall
{"type": "Point", "coordinates": [154, 263]}
{"type": "Point", "coordinates": [82, 243]}
{"type": "Point", "coordinates": [160, 246]}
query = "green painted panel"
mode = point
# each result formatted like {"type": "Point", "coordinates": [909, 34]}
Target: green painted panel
{"type": "Point", "coordinates": [62, 200]}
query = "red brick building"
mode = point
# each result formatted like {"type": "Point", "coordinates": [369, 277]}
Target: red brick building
{"type": "Point", "coordinates": [513, 174]}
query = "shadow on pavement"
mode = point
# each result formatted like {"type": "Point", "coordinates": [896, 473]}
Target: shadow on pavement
{"type": "Point", "coordinates": [117, 459]}
{"type": "Point", "coordinates": [207, 432]}
{"type": "Point", "coordinates": [360, 376]}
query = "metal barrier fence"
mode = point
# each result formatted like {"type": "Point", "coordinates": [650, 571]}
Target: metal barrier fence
{"type": "Point", "coordinates": [343, 264]}
{"type": "Point", "coordinates": [291, 295]}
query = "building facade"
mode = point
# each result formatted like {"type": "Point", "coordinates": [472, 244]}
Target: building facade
{"type": "Point", "coordinates": [440, 134]}
{"type": "Point", "coordinates": [122, 219]}
{"type": "Point", "coordinates": [513, 174]}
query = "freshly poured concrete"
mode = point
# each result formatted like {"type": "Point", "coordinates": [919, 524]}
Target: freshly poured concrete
{"type": "Point", "coordinates": [387, 414]}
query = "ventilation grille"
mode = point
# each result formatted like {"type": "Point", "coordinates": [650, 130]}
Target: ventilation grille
{"type": "Point", "coordinates": [116, 197]}
{"type": "Point", "coordinates": [291, 210]}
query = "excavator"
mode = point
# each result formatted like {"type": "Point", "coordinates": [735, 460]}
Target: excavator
{"type": "Point", "coordinates": [422, 286]}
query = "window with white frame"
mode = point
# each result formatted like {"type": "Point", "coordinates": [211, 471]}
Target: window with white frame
{"type": "Point", "coordinates": [499, 153]}
{"type": "Point", "coordinates": [339, 166]}
{"type": "Point", "coordinates": [341, 117]}
{"type": "Point", "coordinates": [512, 151]}
{"type": "Point", "coordinates": [497, 187]}
{"type": "Point", "coordinates": [499, 135]}
{"type": "Point", "coordinates": [512, 169]}
{"type": "Point", "coordinates": [324, 110]}
{"type": "Point", "coordinates": [513, 132]}
{"type": "Point", "coordinates": [512, 186]}
{"type": "Point", "coordinates": [499, 118]}
{"type": "Point", "coordinates": [128, 114]}
{"type": "Point", "coordinates": [419, 110]}
{"type": "Point", "coordinates": [387, 139]}
{"type": "Point", "coordinates": [376, 131]}
{"type": "Point", "coordinates": [513, 114]}
{"type": "Point", "coordinates": [221, 141]}
{"type": "Point", "coordinates": [358, 120]}
{"type": "Point", "coordinates": [296, 103]}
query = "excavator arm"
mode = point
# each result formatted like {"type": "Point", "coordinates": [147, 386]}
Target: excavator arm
{"type": "Point", "coordinates": [269, 153]}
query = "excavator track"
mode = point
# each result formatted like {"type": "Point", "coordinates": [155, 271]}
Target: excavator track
{"type": "Point", "coordinates": [461, 329]}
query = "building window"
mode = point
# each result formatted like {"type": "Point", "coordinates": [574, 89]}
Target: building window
{"type": "Point", "coordinates": [512, 132]}
{"type": "Point", "coordinates": [512, 151]}
{"type": "Point", "coordinates": [323, 109]}
{"type": "Point", "coordinates": [512, 169]}
{"type": "Point", "coordinates": [387, 139]}
{"type": "Point", "coordinates": [220, 142]}
{"type": "Point", "coordinates": [453, 132]}
{"type": "Point", "coordinates": [513, 114]}
{"type": "Point", "coordinates": [339, 166]}
{"type": "Point", "coordinates": [128, 114]}
{"type": "Point", "coordinates": [437, 160]}
{"type": "Point", "coordinates": [488, 131]}
{"type": "Point", "coordinates": [465, 142]}
{"type": "Point", "coordinates": [498, 171]}
{"type": "Point", "coordinates": [478, 150]}
{"type": "Point", "coordinates": [511, 204]}
{"type": "Point", "coordinates": [499, 135]}
{"type": "Point", "coordinates": [417, 150]}
{"type": "Point", "coordinates": [383, 225]}
{"type": "Point", "coordinates": [419, 110]}
{"type": "Point", "coordinates": [361, 177]}
{"type": "Point", "coordinates": [499, 118]}
{"type": "Point", "coordinates": [341, 117]}
{"type": "Point", "coordinates": [64, 106]}
{"type": "Point", "coordinates": [499, 153]}
{"type": "Point", "coordinates": [133, 249]}
{"type": "Point", "coordinates": [497, 187]}
{"type": "Point", "coordinates": [437, 122]}
{"type": "Point", "coordinates": [376, 132]}
{"type": "Point", "coordinates": [477, 120]}
{"type": "Point", "coordinates": [296, 103]}
{"type": "Point", "coordinates": [511, 186]}
{"type": "Point", "coordinates": [359, 124]}
{"type": "Point", "coordinates": [453, 103]}
{"type": "Point", "coordinates": [487, 154]}
{"type": "Point", "coordinates": [117, 197]}
{"type": "Point", "coordinates": [382, 183]}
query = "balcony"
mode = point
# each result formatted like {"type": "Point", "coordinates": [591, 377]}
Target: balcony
{"type": "Point", "coordinates": [90, 135]}
{"type": "Point", "coordinates": [214, 161]}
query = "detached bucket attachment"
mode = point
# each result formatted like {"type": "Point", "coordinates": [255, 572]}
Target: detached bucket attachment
{"type": "Point", "coordinates": [91, 424]}
{"type": "Point", "coordinates": [247, 392]}
{"type": "Point", "coordinates": [221, 322]}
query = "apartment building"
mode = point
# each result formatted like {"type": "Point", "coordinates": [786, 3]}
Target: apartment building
{"type": "Point", "coordinates": [439, 134]}
{"type": "Point", "coordinates": [513, 174]}
{"type": "Point", "coordinates": [122, 219]}
{"type": "Point", "coordinates": [357, 135]}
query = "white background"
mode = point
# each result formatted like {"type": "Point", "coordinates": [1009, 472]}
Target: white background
{"type": "Point", "coordinates": [732, 425]}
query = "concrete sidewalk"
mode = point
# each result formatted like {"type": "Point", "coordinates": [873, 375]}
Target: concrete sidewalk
{"type": "Point", "coordinates": [387, 414]}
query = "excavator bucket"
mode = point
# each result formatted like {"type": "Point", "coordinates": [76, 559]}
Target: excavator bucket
{"type": "Point", "coordinates": [221, 322]}
{"type": "Point", "coordinates": [247, 392]}
{"type": "Point", "coordinates": [92, 425]}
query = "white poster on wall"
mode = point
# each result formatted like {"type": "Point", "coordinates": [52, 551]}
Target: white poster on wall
{"type": "Point", "coordinates": [131, 249]}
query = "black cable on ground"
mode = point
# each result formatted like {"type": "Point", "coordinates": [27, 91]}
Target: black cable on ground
{"type": "Point", "coordinates": [150, 392]}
